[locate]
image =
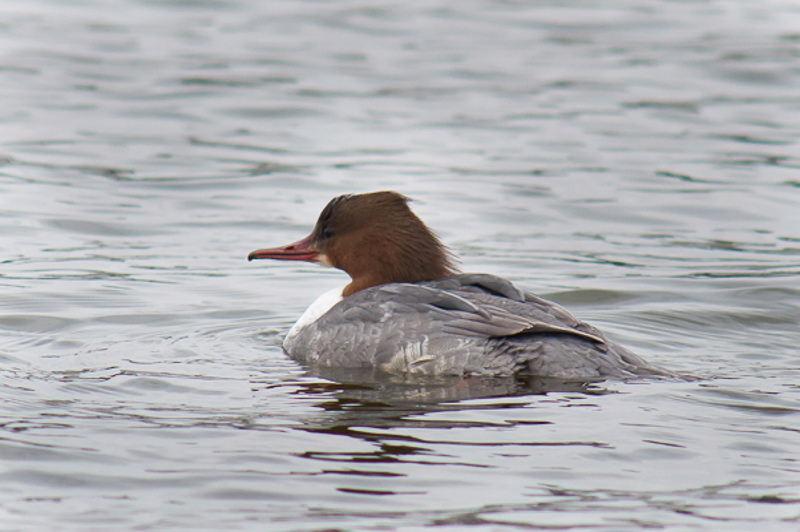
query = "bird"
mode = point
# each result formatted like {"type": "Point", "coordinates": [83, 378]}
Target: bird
{"type": "Point", "coordinates": [408, 310]}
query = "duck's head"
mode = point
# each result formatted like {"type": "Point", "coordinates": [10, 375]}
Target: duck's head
{"type": "Point", "coordinates": [375, 238]}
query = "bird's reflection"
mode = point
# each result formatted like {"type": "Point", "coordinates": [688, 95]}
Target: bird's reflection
{"type": "Point", "coordinates": [358, 389]}
{"type": "Point", "coordinates": [384, 411]}
{"type": "Point", "coordinates": [377, 399]}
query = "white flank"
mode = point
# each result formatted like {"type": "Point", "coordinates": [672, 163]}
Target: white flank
{"type": "Point", "coordinates": [319, 307]}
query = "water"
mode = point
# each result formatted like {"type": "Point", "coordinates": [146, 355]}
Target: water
{"type": "Point", "coordinates": [634, 160]}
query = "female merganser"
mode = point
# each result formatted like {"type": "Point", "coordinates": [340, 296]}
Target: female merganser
{"type": "Point", "coordinates": [408, 310]}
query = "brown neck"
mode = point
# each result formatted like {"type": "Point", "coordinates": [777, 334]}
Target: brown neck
{"type": "Point", "coordinates": [377, 240]}
{"type": "Point", "coordinates": [401, 262]}
{"type": "Point", "coordinates": [359, 284]}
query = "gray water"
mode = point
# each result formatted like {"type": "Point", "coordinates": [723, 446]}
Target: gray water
{"type": "Point", "coordinates": [634, 160]}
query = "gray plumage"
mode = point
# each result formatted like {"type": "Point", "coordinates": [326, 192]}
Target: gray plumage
{"type": "Point", "coordinates": [468, 324]}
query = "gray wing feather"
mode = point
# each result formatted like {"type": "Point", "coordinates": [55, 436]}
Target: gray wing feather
{"type": "Point", "coordinates": [466, 324]}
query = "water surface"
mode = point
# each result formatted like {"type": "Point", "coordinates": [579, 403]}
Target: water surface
{"type": "Point", "coordinates": [634, 160]}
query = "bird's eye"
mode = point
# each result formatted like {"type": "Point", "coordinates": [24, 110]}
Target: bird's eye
{"type": "Point", "coordinates": [327, 232]}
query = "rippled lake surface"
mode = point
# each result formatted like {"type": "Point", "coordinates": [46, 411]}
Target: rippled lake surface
{"type": "Point", "coordinates": [635, 160]}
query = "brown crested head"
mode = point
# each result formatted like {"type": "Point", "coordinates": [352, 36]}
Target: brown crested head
{"type": "Point", "coordinates": [377, 239]}
{"type": "Point", "coordinates": [373, 237]}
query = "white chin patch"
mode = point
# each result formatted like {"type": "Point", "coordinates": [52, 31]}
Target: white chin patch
{"type": "Point", "coordinates": [322, 259]}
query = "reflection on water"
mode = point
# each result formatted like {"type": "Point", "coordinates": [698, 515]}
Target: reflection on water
{"type": "Point", "coordinates": [370, 388]}
{"type": "Point", "coordinates": [635, 161]}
